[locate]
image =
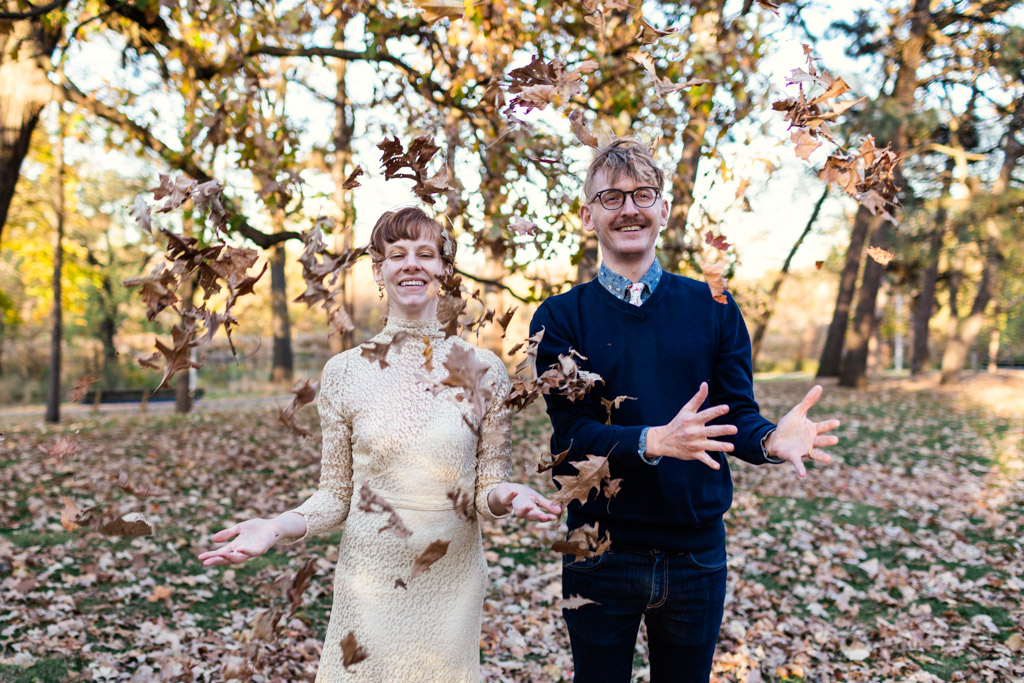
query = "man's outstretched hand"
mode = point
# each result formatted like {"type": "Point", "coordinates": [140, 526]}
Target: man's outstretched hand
{"type": "Point", "coordinates": [689, 436]}
{"type": "Point", "coordinates": [797, 437]}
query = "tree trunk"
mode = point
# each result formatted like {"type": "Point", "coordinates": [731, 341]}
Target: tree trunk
{"type": "Point", "coordinates": [340, 168]}
{"type": "Point", "coordinates": [56, 325]}
{"type": "Point", "coordinates": [993, 341]}
{"type": "Point", "coordinates": [283, 364]}
{"type": "Point", "coordinates": [183, 384]}
{"type": "Point", "coordinates": [926, 300]}
{"type": "Point", "coordinates": [853, 372]}
{"type": "Point", "coordinates": [957, 346]}
{"type": "Point", "coordinates": [586, 269]}
{"type": "Point", "coordinates": [832, 353]}
{"type": "Point", "coordinates": [854, 366]}
{"type": "Point", "coordinates": [25, 49]}
{"type": "Point", "coordinates": [773, 295]}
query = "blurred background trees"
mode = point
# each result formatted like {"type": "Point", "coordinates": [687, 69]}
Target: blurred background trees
{"type": "Point", "coordinates": [283, 104]}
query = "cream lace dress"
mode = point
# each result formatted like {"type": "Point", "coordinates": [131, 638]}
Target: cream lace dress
{"type": "Point", "coordinates": [411, 446]}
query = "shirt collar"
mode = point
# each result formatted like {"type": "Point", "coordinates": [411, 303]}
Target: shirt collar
{"type": "Point", "coordinates": [616, 284]}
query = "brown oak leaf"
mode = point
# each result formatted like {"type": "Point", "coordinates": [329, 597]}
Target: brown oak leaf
{"type": "Point", "coordinates": [578, 486]}
{"type": "Point", "coordinates": [370, 501]}
{"type": "Point", "coordinates": [351, 651]}
{"type": "Point", "coordinates": [714, 275]}
{"type": "Point", "coordinates": [431, 554]}
{"type": "Point", "coordinates": [299, 585]}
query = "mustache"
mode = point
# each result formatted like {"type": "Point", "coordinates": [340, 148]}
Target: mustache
{"type": "Point", "coordinates": [636, 221]}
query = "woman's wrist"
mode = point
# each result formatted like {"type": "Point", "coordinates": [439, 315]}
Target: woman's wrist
{"type": "Point", "coordinates": [495, 501]}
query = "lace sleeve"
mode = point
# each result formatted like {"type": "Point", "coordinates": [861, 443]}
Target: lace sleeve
{"type": "Point", "coordinates": [328, 507]}
{"type": "Point", "coordinates": [494, 450]}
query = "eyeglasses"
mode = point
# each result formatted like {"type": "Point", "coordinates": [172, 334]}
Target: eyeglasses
{"type": "Point", "coordinates": [643, 198]}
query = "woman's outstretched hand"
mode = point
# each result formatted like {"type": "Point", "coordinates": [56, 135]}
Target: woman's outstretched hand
{"type": "Point", "coordinates": [523, 502]}
{"type": "Point", "coordinates": [250, 538]}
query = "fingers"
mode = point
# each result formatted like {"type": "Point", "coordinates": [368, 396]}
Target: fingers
{"type": "Point", "coordinates": [709, 445]}
{"type": "Point", "coordinates": [709, 414]}
{"type": "Point", "coordinates": [226, 534]}
{"type": "Point", "coordinates": [719, 430]}
{"type": "Point", "coordinates": [825, 441]}
{"type": "Point", "coordinates": [810, 398]}
{"type": "Point", "coordinates": [826, 426]}
{"type": "Point", "coordinates": [707, 460]}
{"type": "Point", "coordinates": [820, 456]}
{"type": "Point", "coordinates": [798, 465]}
{"type": "Point", "coordinates": [697, 401]}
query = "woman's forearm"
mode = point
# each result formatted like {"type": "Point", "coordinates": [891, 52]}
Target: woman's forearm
{"type": "Point", "coordinates": [290, 525]}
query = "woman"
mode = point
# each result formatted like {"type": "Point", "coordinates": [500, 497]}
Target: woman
{"type": "Point", "coordinates": [429, 456]}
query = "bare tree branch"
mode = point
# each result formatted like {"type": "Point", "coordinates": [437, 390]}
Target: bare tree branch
{"type": "Point", "coordinates": [34, 12]}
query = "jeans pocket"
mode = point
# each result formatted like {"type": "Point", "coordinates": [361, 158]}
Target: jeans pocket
{"type": "Point", "coordinates": [586, 564]}
{"type": "Point", "coordinates": [709, 560]}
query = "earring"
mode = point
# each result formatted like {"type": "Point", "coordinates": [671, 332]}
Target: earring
{"type": "Point", "coordinates": [380, 288]}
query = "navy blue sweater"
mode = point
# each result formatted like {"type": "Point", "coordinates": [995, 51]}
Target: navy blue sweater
{"type": "Point", "coordinates": [658, 354]}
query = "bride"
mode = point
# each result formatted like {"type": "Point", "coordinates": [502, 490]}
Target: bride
{"type": "Point", "coordinates": [407, 470]}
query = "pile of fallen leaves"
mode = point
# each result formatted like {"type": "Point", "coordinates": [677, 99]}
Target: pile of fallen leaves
{"type": "Point", "coordinates": [902, 561]}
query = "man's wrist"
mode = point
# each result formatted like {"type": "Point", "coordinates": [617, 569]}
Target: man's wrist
{"type": "Point", "coordinates": [644, 444]}
{"type": "Point", "coordinates": [765, 445]}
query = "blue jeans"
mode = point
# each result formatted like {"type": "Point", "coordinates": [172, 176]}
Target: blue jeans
{"type": "Point", "coordinates": [681, 597]}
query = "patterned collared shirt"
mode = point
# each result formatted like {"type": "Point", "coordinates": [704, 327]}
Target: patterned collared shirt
{"type": "Point", "coordinates": [617, 285]}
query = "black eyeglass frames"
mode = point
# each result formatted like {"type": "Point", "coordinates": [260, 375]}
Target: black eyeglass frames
{"type": "Point", "coordinates": [643, 197]}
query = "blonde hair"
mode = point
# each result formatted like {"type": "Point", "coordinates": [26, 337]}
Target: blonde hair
{"type": "Point", "coordinates": [624, 157]}
{"type": "Point", "coordinates": [409, 224]}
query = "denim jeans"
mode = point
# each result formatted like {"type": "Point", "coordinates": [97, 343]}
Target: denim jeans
{"type": "Point", "coordinates": [681, 597]}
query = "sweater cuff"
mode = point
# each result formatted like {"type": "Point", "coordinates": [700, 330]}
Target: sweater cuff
{"type": "Point", "coordinates": [770, 459]}
{"type": "Point", "coordinates": [641, 449]}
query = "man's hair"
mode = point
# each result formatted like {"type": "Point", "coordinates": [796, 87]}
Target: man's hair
{"type": "Point", "coordinates": [409, 224]}
{"type": "Point", "coordinates": [624, 157]}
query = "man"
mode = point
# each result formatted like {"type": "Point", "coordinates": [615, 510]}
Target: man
{"type": "Point", "coordinates": [683, 361]}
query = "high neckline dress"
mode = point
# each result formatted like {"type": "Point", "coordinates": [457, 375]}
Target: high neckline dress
{"type": "Point", "coordinates": [411, 445]}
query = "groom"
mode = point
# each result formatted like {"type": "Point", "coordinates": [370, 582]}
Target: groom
{"type": "Point", "coordinates": [683, 361]}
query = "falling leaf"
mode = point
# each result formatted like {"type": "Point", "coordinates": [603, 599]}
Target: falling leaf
{"type": "Point", "coordinates": [580, 129]}
{"type": "Point", "coordinates": [61, 448]}
{"type": "Point", "coordinates": [505, 318]}
{"type": "Point", "coordinates": [350, 182]}
{"type": "Point", "coordinates": [299, 585]}
{"type": "Point", "coordinates": [768, 4]}
{"type": "Point", "coordinates": [805, 143]}
{"type": "Point", "coordinates": [522, 226]}
{"type": "Point", "coordinates": [370, 501]}
{"type": "Point", "coordinates": [614, 403]}
{"type": "Point", "coordinates": [125, 484]}
{"type": "Point", "coordinates": [880, 255]}
{"type": "Point", "coordinates": [141, 213]}
{"type": "Point", "coordinates": [575, 602]}
{"type": "Point", "coordinates": [433, 552]}
{"type": "Point", "coordinates": [555, 461]}
{"type": "Point", "coordinates": [462, 502]}
{"type": "Point", "coordinates": [578, 487]}
{"type": "Point", "coordinates": [305, 393]}
{"type": "Point", "coordinates": [378, 351]}
{"type": "Point", "coordinates": [264, 624]}
{"type": "Point", "coordinates": [352, 652]}
{"type": "Point", "coordinates": [68, 514]}
{"type": "Point", "coordinates": [1015, 642]}
{"type": "Point", "coordinates": [131, 525]}
{"type": "Point", "coordinates": [716, 241]}
{"type": "Point", "coordinates": [818, 264]}
{"type": "Point", "coordinates": [713, 274]}
{"type": "Point", "coordinates": [428, 354]}
{"type": "Point", "coordinates": [611, 487]}
{"type": "Point", "coordinates": [399, 583]}
{"type": "Point", "coordinates": [468, 373]}
{"type": "Point", "coordinates": [583, 541]}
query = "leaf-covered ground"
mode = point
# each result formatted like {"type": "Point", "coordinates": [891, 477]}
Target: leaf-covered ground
{"type": "Point", "coordinates": [901, 561]}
